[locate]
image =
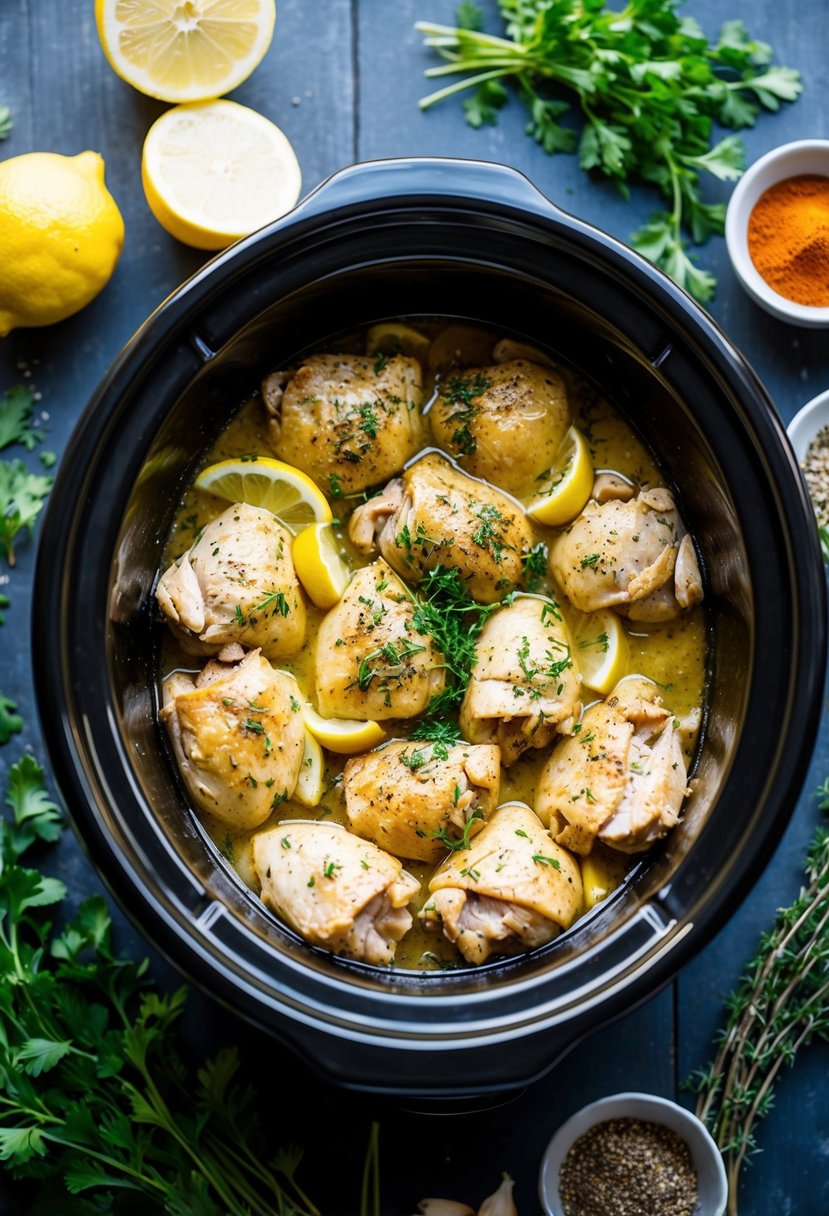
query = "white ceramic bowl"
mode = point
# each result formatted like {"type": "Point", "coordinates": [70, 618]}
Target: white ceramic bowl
{"type": "Point", "coordinates": [807, 422]}
{"type": "Point", "coordinates": [713, 1188]}
{"type": "Point", "coordinates": [790, 160]}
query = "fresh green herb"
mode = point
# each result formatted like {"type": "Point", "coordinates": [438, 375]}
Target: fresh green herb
{"type": "Point", "coordinates": [22, 495]}
{"type": "Point", "coordinates": [473, 874]}
{"type": "Point", "coordinates": [456, 843]}
{"type": "Point", "coordinates": [823, 532]}
{"type": "Point", "coordinates": [330, 868]}
{"type": "Point", "coordinates": [334, 486]}
{"type": "Point", "coordinates": [5, 122]}
{"type": "Point", "coordinates": [295, 706]}
{"type": "Point", "coordinates": [312, 882]}
{"type": "Point", "coordinates": [380, 362]}
{"type": "Point", "coordinates": [489, 534]}
{"type": "Point", "coordinates": [780, 1005]}
{"type": "Point", "coordinates": [278, 598]}
{"type": "Point", "coordinates": [255, 727]}
{"type": "Point", "coordinates": [240, 618]}
{"type": "Point", "coordinates": [547, 861]}
{"type": "Point", "coordinates": [445, 734]}
{"type": "Point", "coordinates": [601, 642]}
{"type": "Point", "coordinates": [460, 393]}
{"type": "Point", "coordinates": [387, 665]}
{"type": "Point", "coordinates": [521, 832]}
{"type": "Point", "coordinates": [4, 603]}
{"type": "Point", "coordinates": [534, 566]}
{"type": "Point", "coordinates": [278, 799]}
{"type": "Point", "coordinates": [649, 86]}
{"type": "Point", "coordinates": [285, 842]}
{"type": "Point", "coordinates": [228, 847]}
{"type": "Point", "coordinates": [469, 16]}
{"type": "Point", "coordinates": [15, 419]}
{"type": "Point", "coordinates": [590, 560]}
{"type": "Point", "coordinates": [10, 722]}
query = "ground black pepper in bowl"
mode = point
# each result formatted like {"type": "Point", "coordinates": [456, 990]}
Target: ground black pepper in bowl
{"type": "Point", "coordinates": [628, 1167]}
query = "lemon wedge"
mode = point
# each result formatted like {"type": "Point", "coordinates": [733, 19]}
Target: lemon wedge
{"type": "Point", "coordinates": [184, 50]}
{"type": "Point", "coordinates": [393, 338]}
{"type": "Point", "coordinates": [600, 650]}
{"type": "Point", "coordinates": [216, 171]}
{"type": "Point", "coordinates": [340, 735]}
{"type": "Point", "coordinates": [318, 564]}
{"type": "Point", "coordinates": [311, 780]}
{"type": "Point", "coordinates": [568, 486]}
{"type": "Point", "coordinates": [261, 481]}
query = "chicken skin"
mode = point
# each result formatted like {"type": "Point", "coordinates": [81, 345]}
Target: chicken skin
{"type": "Point", "coordinates": [412, 799]}
{"type": "Point", "coordinates": [437, 516]}
{"type": "Point", "coordinates": [525, 687]}
{"type": "Point", "coordinates": [346, 420]}
{"type": "Point", "coordinates": [238, 737]}
{"type": "Point", "coordinates": [236, 583]}
{"type": "Point", "coordinates": [504, 423]}
{"type": "Point", "coordinates": [513, 889]}
{"type": "Point", "coordinates": [620, 778]}
{"type": "Point", "coordinates": [632, 555]}
{"type": "Point", "coordinates": [336, 890]}
{"type": "Point", "coordinates": [371, 662]}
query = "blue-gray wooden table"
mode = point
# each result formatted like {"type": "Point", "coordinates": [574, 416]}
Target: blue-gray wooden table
{"type": "Point", "coordinates": [342, 79]}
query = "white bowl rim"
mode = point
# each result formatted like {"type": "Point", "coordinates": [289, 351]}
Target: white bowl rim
{"type": "Point", "coordinates": [736, 225]}
{"type": "Point", "coordinates": [632, 1104]}
{"type": "Point", "coordinates": [809, 420]}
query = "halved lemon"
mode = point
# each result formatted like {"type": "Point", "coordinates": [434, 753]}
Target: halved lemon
{"type": "Point", "coordinates": [600, 650]}
{"type": "Point", "coordinates": [184, 50]}
{"type": "Point", "coordinates": [393, 338]}
{"type": "Point", "coordinates": [311, 780]}
{"type": "Point", "coordinates": [567, 486]}
{"type": "Point", "coordinates": [261, 481]}
{"type": "Point", "coordinates": [319, 567]}
{"type": "Point", "coordinates": [340, 735]}
{"type": "Point", "coordinates": [216, 171]}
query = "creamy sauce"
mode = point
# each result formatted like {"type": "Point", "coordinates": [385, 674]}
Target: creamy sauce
{"type": "Point", "coordinates": [673, 653]}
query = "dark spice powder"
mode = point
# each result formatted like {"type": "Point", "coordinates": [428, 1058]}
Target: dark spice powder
{"type": "Point", "coordinates": [628, 1167]}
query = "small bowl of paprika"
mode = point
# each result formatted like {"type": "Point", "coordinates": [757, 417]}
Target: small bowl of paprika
{"type": "Point", "coordinates": [777, 232]}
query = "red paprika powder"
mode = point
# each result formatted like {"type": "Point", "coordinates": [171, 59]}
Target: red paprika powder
{"type": "Point", "coordinates": [788, 239]}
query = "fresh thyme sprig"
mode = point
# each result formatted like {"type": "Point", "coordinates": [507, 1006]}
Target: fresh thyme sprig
{"type": "Point", "coordinates": [780, 1005]}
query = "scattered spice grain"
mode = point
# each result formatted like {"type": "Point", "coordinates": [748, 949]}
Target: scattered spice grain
{"type": "Point", "coordinates": [816, 471]}
{"type": "Point", "coordinates": [788, 238]}
{"type": "Point", "coordinates": [628, 1167]}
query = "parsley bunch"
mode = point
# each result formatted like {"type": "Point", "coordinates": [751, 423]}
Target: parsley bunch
{"type": "Point", "coordinates": [649, 86]}
{"type": "Point", "coordinates": [22, 494]}
{"type": "Point", "coordinates": [95, 1100]}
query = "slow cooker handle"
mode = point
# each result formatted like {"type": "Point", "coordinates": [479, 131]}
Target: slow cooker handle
{"type": "Point", "coordinates": [428, 176]}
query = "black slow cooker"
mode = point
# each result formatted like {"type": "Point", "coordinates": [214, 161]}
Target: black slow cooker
{"type": "Point", "coordinates": [455, 239]}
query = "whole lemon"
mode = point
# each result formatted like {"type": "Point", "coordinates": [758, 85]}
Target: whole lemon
{"type": "Point", "coordinates": [60, 236]}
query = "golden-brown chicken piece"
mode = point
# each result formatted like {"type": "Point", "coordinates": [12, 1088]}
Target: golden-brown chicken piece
{"type": "Point", "coordinates": [620, 778]}
{"type": "Point", "coordinates": [236, 583]}
{"type": "Point", "coordinates": [437, 516]}
{"type": "Point", "coordinates": [238, 736]}
{"type": "Point", "coordinates": [336, 890]}
{"type": "Point", "coordinates": [415, 799]}
{"type": "Point", "coordinates": [371, 662]}
{"type": "Point", "coordinates": [525, 686]}
{"type": "Point", "coordinates": [634, 556]}
{"type": "Point", "coordinates": [346, 420]}
{"type": "Point", "coordinates": [513, 889]}
{"type": "Point", "coordinates": [504, 422]}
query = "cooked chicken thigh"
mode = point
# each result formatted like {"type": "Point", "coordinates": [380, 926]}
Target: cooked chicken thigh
{"type": "Point", "coordinates": [437, 516]}
{"type": "Point", "coordinates": [511, 890]}
{"type": "Point", "coordinates": [348, 421]}
{"type": "Point", "coordinates": [620, 778]}
{"type": "Point", "coordinates": [525, 686]}
{"type": "Point", "coordinates": [236, 583]}
{"type": "Point", "coordinates": [238, 737]}
{"type": "Point", "coordinates": [504, 422]}
{"type": "Point", "coordinates": [634, 556]}
{"type": "Point", "coordinates": [412, 798]}
{"type": "Point", "coordinates": [336, 890]}
{"type": "Point", "coordinates": [370, 660]}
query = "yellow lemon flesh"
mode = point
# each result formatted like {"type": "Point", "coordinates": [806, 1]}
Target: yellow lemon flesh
{"type": "Point", "coordinates": [393, 338]}
{"type": "Point", "coordinates": [61, 234]}
{"type": "Point", "coordinates": [262, 482]}
{"type": "Point", "coordinates": [601, 650]}
{"type": "Point", "coordinates": [567, 487]}
{"type": "Point", "coordinates": [319, 566]}
{"type": "Point", "coordinates": [340, 735]}
{"type": "Point", "coordinates": [184, 50]}
{"type": "Point", "coordinates": [216, 171]}
{"type": "Point", "coordinates": [311, 778]}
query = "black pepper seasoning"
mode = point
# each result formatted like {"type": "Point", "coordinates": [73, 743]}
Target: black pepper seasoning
{"type": "Point", "coordinates": [628, 1167]}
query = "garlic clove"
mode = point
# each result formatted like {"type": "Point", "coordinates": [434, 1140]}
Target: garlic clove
{"type": "Point", "coordinates": [444, 1207]}
{"type": "Point", "coordinates": [500, 1203]}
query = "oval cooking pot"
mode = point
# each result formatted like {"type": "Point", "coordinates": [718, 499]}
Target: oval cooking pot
{"type": "Point", "coordinates": [464, 239]}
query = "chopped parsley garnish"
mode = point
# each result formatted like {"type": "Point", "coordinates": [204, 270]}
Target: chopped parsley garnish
{"type": "Point", "coordinates": [534, 566]}
{"type": "Point", "coordinates": [590, 560]}
{"type": "Point", "coordinates": [456, 843]}
{"type": "Point", "coordinates": [278, 598]}
{"type": "Point", "coordinates": [546, 861]}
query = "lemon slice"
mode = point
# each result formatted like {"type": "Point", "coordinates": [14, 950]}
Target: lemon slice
{"type": "Point", "coordinates": [311, 780]}
{"type": "Point", "coordinates": [600, 650]}
{"type": "Point", "coordinates": [262, 482]}
{"type": "Point", "coordinates": [215, 171]}
{"type": "Point", "coordinates": [318, 564]}
{"type": "Point", "coordinates": [340, 735]}
{"type": "Point", "coordinates": [392, 338]}
{"type": "Point", "coordinates": [568, 485]}
{"type": "Point", "coordinates": [184, 50]}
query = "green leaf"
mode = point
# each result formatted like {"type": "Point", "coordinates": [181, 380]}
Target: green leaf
{"type": "Point", "coordinates": [22, 495]}
{"type": "Point", "coordinates": [10, 722]}
{"type": "Point", "coordinates": [468, 16]}
{"type": "Point", "coordinates": [36, 817]}
{"type": "Point", "coordinates": [41, 1055]}
{"type": "Point", "coordinates": [604, 147]}
{"type": "Point", "coordinates": [775, 85]}
{"type": "Point", "coordinates": [726, 160]}
{"type": "Point", "coordinates": [4, 603]}
{"type": "Point", "coordinates": [15, 419]}
{"type": "Point", "coordinates": [483, 106]}
{"type": "Point", "coordinates": [20, 1144]}
{"type": "Point", "coordinates": [5, 122]}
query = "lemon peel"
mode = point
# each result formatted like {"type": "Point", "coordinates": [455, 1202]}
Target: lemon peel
{"type": "Point", "coordinates": [319, 566]}
{"type": "Point", "coordinates": [600, 648]}
{"type": "Point", "coordinates": [568, 486]}
{"type": "Point", "coordinates": [341, 735]}
{"type": "Point", "coordinates": [261, 481]}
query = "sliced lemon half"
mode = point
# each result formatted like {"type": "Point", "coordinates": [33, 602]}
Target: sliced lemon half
{"type": "Point", "coordinates": [567, 486]}
{"type": "Point", "coordinates": [319, 566]}
{"type": "Point", "coordinates": [216, 171]}
{"type": "Point", "coordinates": [271, 484]}
{"type": "Point", "coordinates": [311, 780]}
{"type": "Point", "coordinates": [340, 735]}
{"type": "Point", "coordinates": [393, 338]}
{"type": "Point", "coordinates": [600, 650]}
{"type": "Point", "coordinates": [184, 50]}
